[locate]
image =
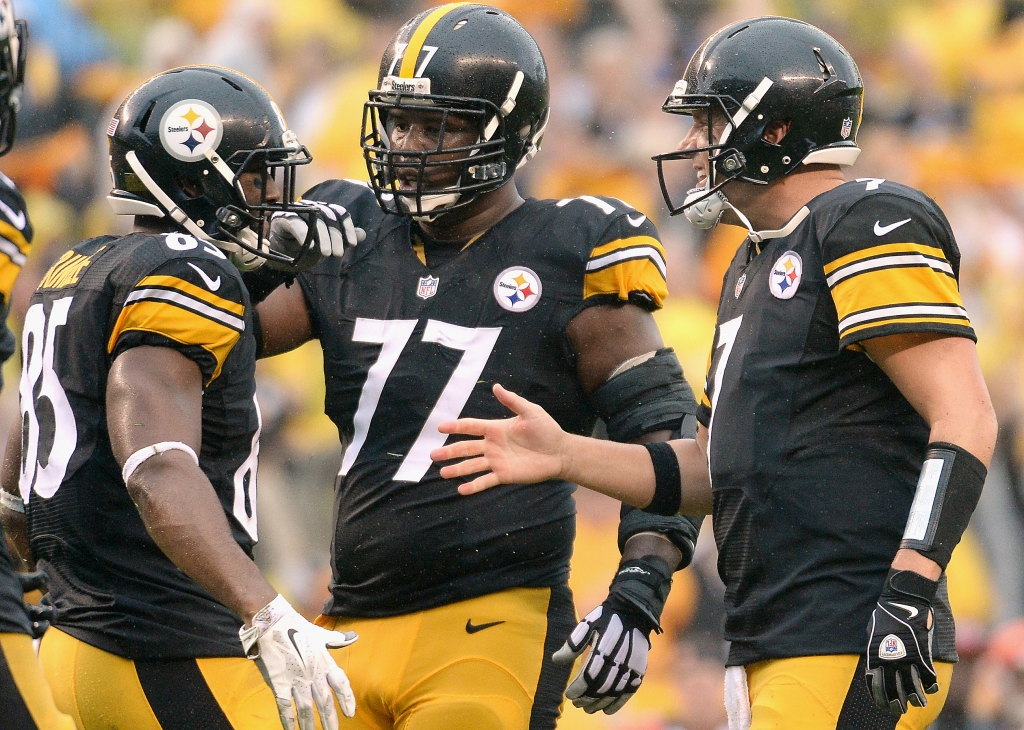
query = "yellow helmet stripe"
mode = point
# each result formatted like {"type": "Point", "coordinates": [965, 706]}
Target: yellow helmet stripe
{"type": "Point", "coordinates": [419, 37]}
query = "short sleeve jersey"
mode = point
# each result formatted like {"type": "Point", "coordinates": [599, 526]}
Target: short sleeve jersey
{"type": "Point", "coordinates": [112, 586]}
{"type": "Point", "coordinates": [407, 346]}
{"type": "Point", "coordinates": [814, 453]}
{"type": "Point", "coordinates": [15, 242]}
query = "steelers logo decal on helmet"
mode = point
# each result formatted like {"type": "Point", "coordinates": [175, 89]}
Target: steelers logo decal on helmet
{"type": "Point", "coordinates": [190, 129]}
{"type": "Point", "coordinates": [517, 289]}
{"type": "Point", "coordinates": [784, 278]}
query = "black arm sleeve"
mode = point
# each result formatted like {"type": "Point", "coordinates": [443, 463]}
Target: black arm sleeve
{"type": "Point", "coordinates": [651, 396]}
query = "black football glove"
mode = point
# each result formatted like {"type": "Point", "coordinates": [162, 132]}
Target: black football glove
{"type": "Point", "coordinates": [39, 614]}
{"type": "Point", "coordinates": [618, 632]}
{"type": "Point", "coordinates": [899, 661]}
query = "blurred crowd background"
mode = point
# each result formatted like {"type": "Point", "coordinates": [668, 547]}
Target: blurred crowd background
{"type": "Point", "coordinates": [944, 112]}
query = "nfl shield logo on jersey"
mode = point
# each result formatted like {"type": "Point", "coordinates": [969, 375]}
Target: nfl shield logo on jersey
{"type": "Point", "coordinates": [784, 278]}
{"type": "Point", "coordinates": [427, 287]}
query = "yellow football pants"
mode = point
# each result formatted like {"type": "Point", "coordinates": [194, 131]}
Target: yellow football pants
{"type": "Point", "coordinates": [481, 664]}
{"type": "Point", "coordinates": [26, 702]}
{"type": "Point", "coordinates": [103, 691]}
{"type": "Point", "coordinates": [829, 693]}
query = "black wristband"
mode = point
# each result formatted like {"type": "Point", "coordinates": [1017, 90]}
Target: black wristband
{"type": "Point", "coordinates": [262, 281]}
{"type": "Point", "coordinates": [947, 493]}
{"type": "Point", "coordinates": [910, 583]}
{"type": "Point", "coordinates": [668, 489]}
{"type": "Point", "coordinates": [643, 583]}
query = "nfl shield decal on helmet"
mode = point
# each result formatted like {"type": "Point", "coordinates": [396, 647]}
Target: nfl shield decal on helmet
{"type": "Point", "coordinates": [427, 287]}
{"type": "Point", "coordinates": [784, 278]}
{"type": "Point", "coordinates": [847, 127]}
{"type": "Point", "coordinates": [190, 129]}
{"type": "Point", "coordinates": [517, 289]}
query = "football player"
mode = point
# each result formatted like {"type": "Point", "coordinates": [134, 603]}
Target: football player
{"type": "Point", "coordinates": [134, 464]}
{"type": "Point", "coordinates": [845, 418]}
{"type": "Point", "coordinates": [26, 698]}
{"type": "Point", "coordinates": [463, 605]}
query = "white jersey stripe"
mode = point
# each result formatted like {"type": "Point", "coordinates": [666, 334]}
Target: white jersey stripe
{"type": "Point", "coordinates": [628, 254]}
{"type": "Point", "coordinates": [913, 310]}
{"type": "Point", "coordinates": [183, 300]}
{"type": "Point", "coordinates": [882, 262]}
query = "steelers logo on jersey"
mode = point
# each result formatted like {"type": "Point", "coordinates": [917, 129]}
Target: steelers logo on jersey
{"type": "Point", "coordinates": [517, 289]}
{"type": "Point", "coordinates": [191, 129]}
{"type": "Point", "coordinates": [784, 278]}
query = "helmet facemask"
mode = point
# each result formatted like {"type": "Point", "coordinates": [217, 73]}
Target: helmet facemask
{"type": "Point", "coordinates": [12, 79]}
{"type": "Point", "coordinates": [263, 183]}
{"type": "Point", "coordinates": [704, 205]}
{"type": "Point", "coordinates": [427, 183]}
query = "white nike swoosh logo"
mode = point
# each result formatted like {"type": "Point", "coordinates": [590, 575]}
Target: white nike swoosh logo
{"type": "Point", "coordinates": [881, 230]}
{"type": "Point", "coordinates": [909, 609]}
{"type": "Point", "coordinates": [636, 223]}
{"type": "Point", "coordinates": [17, 219]}
{"type": "Point", "coordinates": [213, 284]}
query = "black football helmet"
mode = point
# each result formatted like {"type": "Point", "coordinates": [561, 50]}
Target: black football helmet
{"type": "Point", "coordinates": [760, 71]}
{"type": "Point", "coordinates": [179, 145]}
{"type": "Point", "coordinates": [13, 44]}
{"type": "Point", "coordinates": [459, 59]}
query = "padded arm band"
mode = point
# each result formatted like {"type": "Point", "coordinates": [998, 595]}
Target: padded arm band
{"type": "Point", "coordinates": [648, 397]}
{"type": "Point", "coordinates": [137, 459]}
{"type": "Point", "coordinates": [651, 396]}
{"type": "Point", "coordinates": [668, 492]}
{"type": "Point", "coordinates": [948, 490]}
{"type": "Point", "coordinates": [12, 502]}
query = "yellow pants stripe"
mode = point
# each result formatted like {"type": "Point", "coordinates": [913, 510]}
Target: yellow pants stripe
{"type": "Point", "coordinates": [20, 657]}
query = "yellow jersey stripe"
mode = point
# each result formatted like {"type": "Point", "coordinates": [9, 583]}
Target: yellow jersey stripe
{"type": "Point", "coordinates": [914, 324]}
{"type": "Point", "coordinates": [173, 282]}
{"type": "Point", "coordinates": [419, 37]}
{"type": "Point", "coordinates": [892, 287]}
{"type": "Point", "coordinates": [8, 275]}
{"type": "Point", "coordinates": [884, 250]}
{"type": "Point", "coordinates": [15, 236]}
{"type": "Point", "coordinates": [178, 324]}
{"type": "Point", "coordinates": [627, 276]}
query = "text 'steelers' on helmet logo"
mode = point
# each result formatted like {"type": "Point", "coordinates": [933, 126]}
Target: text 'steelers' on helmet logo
{"type": "Point", "coordinates": [784, 278]}
{"type": "Point", "coordinates": [190, 129]}
{"type": "Point", "coordinates": [517, 289]}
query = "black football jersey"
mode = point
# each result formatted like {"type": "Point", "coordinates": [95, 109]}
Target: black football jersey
{"type": "Point", "coordinates": [814, 453]}
{"type": "Point", "coordinates": [15, 242]}
{"type": "Point", "coordinates": [112, 586]}
{"type": "Point", "coordinates": [407, 346]}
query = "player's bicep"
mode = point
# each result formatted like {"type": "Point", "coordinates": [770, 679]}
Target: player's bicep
{"type": "Point", "coordinates": [284, 321]}
{"type": "Point", "coordinates": [154, 394]}
{"type": "Point", "coordinates": [194, 307]}
{"type": "Point", "coordinates": [891, 266]}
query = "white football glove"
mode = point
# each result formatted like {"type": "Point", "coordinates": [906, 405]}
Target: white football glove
{"type": "Point", "coordinates": [294, 658]}
{"type": "Point", "coordinates": [334, 224]}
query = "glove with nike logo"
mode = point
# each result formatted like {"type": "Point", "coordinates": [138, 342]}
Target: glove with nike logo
{"type": "Point", "coordinates": [899, 661]}
{"type": "Point", "coordinates": [293, 656]}
{"type": "Point", "coordinates": [618, 632]}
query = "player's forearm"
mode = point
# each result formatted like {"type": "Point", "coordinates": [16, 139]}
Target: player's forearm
{"type": "Point", "coordinates": [185, 518]}
{"type": "Point", "coordinates": [625, 471]}
{"type": "Point", "coordinates": [15, 523]}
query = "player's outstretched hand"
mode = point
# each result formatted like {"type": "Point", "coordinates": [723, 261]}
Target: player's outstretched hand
{"type": "Point", "coordinates": [294, 656]}
{"type": "Point", "coordinates": [522, 450]}
{"type": "Point", "coordinates": [900, 671]}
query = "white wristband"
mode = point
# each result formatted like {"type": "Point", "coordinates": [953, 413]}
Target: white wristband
{"type": "Point", "coordinates": [136, 460]}
{"type": "Point", "coordinates": [12, 501]}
